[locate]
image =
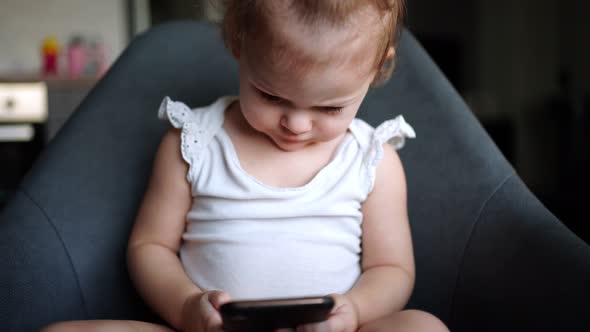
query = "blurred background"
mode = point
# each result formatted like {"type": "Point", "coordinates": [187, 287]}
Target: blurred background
{"type": "Point", "coordinates": [522, 66]}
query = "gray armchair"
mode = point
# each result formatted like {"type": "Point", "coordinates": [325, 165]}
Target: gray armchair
{"type": "Point", "coordinates": [489, 256]}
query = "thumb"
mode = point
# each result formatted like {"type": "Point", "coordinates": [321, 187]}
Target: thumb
{"type": "Point", "coordinates": [217, 298]}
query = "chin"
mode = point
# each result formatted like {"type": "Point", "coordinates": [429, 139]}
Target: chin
{"type": "Point", "coordinates": [289, 146]}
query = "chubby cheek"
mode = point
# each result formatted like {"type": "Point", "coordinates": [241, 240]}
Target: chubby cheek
{"type": "Point", "coordinates": [331, 129]}
{"type": "Point", "coordinates": [249, 104]}
{"type": "Point", "coordinates": [258, 115]}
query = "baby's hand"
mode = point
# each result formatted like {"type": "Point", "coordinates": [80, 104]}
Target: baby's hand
{"type": "Point", "coordinates": [200, 312]}
{"type": "Point", "coordinates": [343, 318]}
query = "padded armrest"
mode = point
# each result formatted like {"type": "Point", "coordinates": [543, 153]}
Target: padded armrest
{"type": "Point", "coordinates": [486, 250]}
{"type": "Point", "coordinates": [522, 269]}
{"type": "Point", "coordinates": [37, 279]}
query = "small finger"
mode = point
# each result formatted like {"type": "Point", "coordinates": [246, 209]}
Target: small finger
{"type": "Point", "coordinates": [313, 327]}
{"type": "Point", "coordinates": [212, 321]}
{"type": "Point", "coordinates": [217, 298]}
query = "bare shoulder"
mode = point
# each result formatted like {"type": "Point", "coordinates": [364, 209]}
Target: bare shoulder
{"type": "Point", "coordinates": [390, 171]}
{"type": "Point", "coordinates": [168, 162]}
{"type": "Point", "coordinates": [389, 189]}
{"type": "Point", "coordinates": [167, 199]}
{"type": "Point", "coordinates": [170, 143]}
{"type": "Point", "coordinates": [386, 233]}
{"type": "Point", "coordinates": [169, 172]}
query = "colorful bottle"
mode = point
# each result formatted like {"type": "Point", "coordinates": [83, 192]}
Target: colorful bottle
{"type": "Point", "coordinates": [97, 63]}
{"type": "Point", "coordinates": [77, 57]}
{"type": "Point", "coordinates": [50, 56]}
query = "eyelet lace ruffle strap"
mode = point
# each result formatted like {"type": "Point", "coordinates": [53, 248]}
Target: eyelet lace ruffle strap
{"type": "Point", "coordinates": [174, 111]}
{"type": "Point", "coordinates": [394, 132]}
{"type": "Point", "coordinates": [193, 135]}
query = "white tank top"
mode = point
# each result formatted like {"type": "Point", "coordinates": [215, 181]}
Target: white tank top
{"type": "Point", "coordinates": [257, 241]}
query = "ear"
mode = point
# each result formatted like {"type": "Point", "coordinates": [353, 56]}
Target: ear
{"type": "Point", "coordinates": [236, 46]}
{"type": "Point", "coordinates": [390, 54]}
{"type": "Point", "coordinates": [387, 62]}
{"type": "Point", "coordinates": [384, 72]}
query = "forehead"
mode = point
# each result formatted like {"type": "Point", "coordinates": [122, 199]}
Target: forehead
{"type": "Point", "coordinates": [286, 42]}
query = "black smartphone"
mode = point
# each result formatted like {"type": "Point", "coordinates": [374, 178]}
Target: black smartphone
{"type": "Point", "coordinates": [269, 315]}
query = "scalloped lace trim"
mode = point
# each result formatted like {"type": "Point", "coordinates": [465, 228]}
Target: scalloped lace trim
{"type": "Point", "coordinates": [182, 117]}
{"type": "Point", "coordinates": [394, 132]}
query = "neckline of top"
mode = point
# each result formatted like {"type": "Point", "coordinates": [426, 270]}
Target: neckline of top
{"type": "Point", "coordinates": [235, 160]}
{"type": "Point", "coordinates": [221, 106]}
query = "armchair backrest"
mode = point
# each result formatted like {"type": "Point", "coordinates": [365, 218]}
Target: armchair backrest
{"type": "Point", "coordinates": [63, 234]}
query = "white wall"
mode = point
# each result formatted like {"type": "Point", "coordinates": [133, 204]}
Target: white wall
{"type": "Point", "coordinates": [25, 23]}
{"type": "Point", "coordinates": [142, 16]}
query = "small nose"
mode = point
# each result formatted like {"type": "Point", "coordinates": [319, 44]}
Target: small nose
{"type": "Point", "coordinates": [296, 122]}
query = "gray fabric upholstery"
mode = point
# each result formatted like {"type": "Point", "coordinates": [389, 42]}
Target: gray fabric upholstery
{"type": "Point", "coordinates": [489, 256]}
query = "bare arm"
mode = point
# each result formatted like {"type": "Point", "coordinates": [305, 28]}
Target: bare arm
{"type": "Point", "coordinates": [152, 252]}
{"type": "Point", "coordinates": [387, 257]}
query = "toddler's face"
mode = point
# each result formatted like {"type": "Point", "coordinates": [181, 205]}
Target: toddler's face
{"type": "Point", "coordinates": [308, 87]}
